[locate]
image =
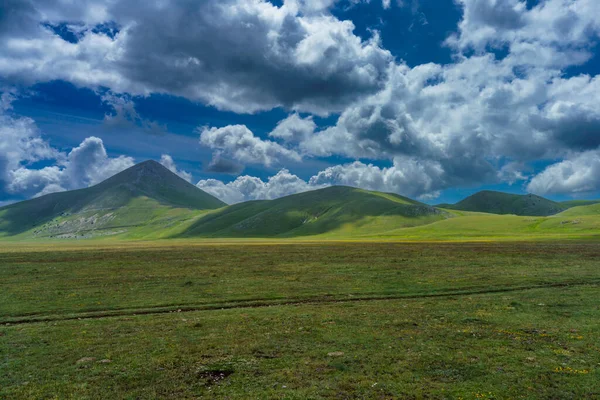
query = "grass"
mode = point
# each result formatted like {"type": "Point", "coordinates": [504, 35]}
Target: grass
{"type": "Point", "coordinates": [334, 211]}
{"type": "Point", "coordinates": [300, 320]}
{"type": "Point", "coordinates": [506, 203]}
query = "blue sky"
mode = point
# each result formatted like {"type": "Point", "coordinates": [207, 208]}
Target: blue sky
{"type": "Point", "coordinates": [249, 99]}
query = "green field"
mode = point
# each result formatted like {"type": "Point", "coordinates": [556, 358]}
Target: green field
{"type": "Point", "coordinates": [244, 319]}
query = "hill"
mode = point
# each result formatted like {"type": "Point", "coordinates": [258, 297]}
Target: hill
{"type": "Point", "coordinates": [505, 203]}
{"type": "Point", "coordinates": [138, 196]}
{"type": "Point", "coordinates": [577, 203]}
{"type": "Point", "coordinates": [584, 210]}
{"type": "Point", "coordinates": [332, 211]}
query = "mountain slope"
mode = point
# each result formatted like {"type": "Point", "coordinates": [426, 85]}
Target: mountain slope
{"type": "Point", "coordinates": [130, 198]}
{"type": "Point", "coordinates": [505, 203]}
{"type": "Point", "coordinates": [577, 203]}
{"type": "Point", "coordinates": [336, 210]}
{"type": "Point", "coordinates": [584, 210]}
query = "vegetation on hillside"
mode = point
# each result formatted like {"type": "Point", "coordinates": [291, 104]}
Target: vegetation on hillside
{"type": "Point", "coordinates": [335, 210]}
{"type": "Point", "coordinates": [505, 203]}
{"type": "Point", "coordinates": [135, 197]}
{"type": "Point", "coordinates": [148, 202]}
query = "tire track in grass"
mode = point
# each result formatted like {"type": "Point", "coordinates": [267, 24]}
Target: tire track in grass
{"type": "Point", "coordinates": [262, 303]}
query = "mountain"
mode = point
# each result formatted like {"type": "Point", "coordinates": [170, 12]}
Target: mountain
{"type": "Point", "coordinates": [505, 203]}
{"type": "Point", "coordinates": [577, 203]}
{"type": "Point", "coordinates": [141, 195]}
{"type": "Point", "coordinates": [336, 210]}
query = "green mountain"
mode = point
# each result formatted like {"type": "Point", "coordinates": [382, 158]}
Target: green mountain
{"type": "Point", "coordinates": [333, 211]}
{"type": "Point", "coordinates": [505, 203]}
{"type": "Point", "coordinates": [577, 203]}
{"type": "Point", "coordinates": [148, 201]}
{"type": "Point", "coordinates": [142, 195]}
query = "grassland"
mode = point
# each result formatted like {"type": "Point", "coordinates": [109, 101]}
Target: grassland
{"type": "Point", "coordinates": [300, 320]}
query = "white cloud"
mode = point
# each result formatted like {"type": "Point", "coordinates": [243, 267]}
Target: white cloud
{"type": "Point", "coordinates": [566, 28]}
{"type": "Point", "coordinates": [579, 174]}
{"type": "Point", "coordinates": [239, 55]}
{"type": "Point", "coordinates": [406, 177]}
{"type": "Point", "coordinates": [88, 164]}
{"type": "Point", "coordinates": [294, 128]}
{"type": "Point", "coordinates": [246, 187]}
{"type": "Point", "coordinates": [239, 143]}
{"type": "Point", "coordinates": [167, 162]}
{"type": "Point", "coordinates": [479, 119]}
{"type": "Point", "coordinates": [22, 144]}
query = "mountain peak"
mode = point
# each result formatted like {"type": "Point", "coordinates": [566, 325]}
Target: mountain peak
{"type": "Point", "coordinates": [494, 202]}
{"type": "Point", "coordinates": [126, 198]}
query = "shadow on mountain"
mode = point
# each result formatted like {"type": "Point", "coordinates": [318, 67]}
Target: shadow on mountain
{"type": "Point", "coordinates": [310, 213]}
{"type": "Point", "coordinates": [148, 179]}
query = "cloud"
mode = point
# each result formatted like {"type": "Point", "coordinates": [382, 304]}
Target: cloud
{"type": "Point", "coordinates": [125, 114]}
{"type": "Point", "coordinates": [237, 55]}
{"type": "Point", "coordinates": [239, 143]}
{"type": "Point", "coordinates": [577, 175]}
{"type": "Point", "coordinates": [409, 177]}
{"type": "Point", "coordinates": [89, 164]}
{"type": "Point", "coordinates": [22, 145]}
{"type": "Point", "coordinates": [512, 172]}
{"type": "Point", "coordinates": [294, 128]}
{"type": "Point", "coordinates": [484, 118]}
{"type": "Point", "coordinates": [566, 28]}
{"type": "Point", "coordinates": [406, 177]}
{"type": "Point", "coordinates": [222, 165]}
{"type": "Point", "coordinates": [470, 117]}
{"type": "Point", "coordinates": [246, 187]}
{"type": "Point", "coordinates": [167, 162]}
{"type": "Point", "coordinates": [85, 165]}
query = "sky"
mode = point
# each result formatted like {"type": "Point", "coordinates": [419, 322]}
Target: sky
{"type": "Point", "coordinates": [256, 99]}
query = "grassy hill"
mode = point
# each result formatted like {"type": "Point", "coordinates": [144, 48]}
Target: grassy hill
{"type": "Point", "coordinates": [140, 196]}
{"type": "Point", "coordinates": [333, 211]}
{"type": "Point", "coordinates": [505, 203]}
{"type": "Point", "coordinates": [577, 203]}
{"type": "Point", "coordinates": [586, 210]}
{"type": "Point", "coordinates": [149, 202]}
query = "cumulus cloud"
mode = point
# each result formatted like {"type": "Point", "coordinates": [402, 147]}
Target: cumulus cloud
{"type": "Point", "coordinates": [294, 128]}
{"type": "Point", "coordinates": [483, 118]}
{"type": "Point", "coordinates": [238, 55]}
{"type": "Point", "coordinates": [167, 162]}
{"type": "Point", "coordinates": [22, 145]}
{"type": "Point", "coordinates": [239, 143]}
{"type": "Point", "coordinates": [85, 165]}
{"type": "Point", "coordinates": [246, 187]}
{"type": "Point", "coordinates": [221, 165]}
{"type": "Point", "coordinates": [576, 175]}
{"type": "Point", "coordinates": [406, 177]}
{"type": "Point", "coordinates": [89, 164]}
{"type": "Point", "coordinates": [563, 28]}
{"type": "Point", "coordinates": [470, 117]}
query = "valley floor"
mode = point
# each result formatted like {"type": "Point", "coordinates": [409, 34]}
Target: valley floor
{"type": "Point", "coordinates": [252, 319]}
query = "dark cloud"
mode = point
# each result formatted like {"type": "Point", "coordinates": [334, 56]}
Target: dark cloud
{"type": "Point", "coordinates": [476, 120]}
{"type": "Point", "coordinates": [237, 55]}
{"type": "Point", "coordinates": [222, 165]}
